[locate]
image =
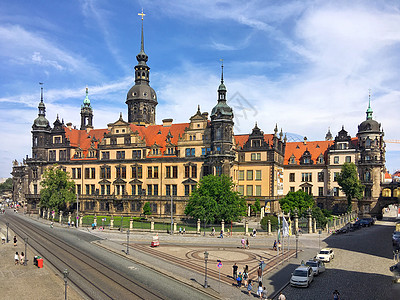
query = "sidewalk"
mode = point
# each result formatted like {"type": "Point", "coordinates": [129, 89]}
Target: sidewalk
{"type": "Point", "coordinates": [28, 282]}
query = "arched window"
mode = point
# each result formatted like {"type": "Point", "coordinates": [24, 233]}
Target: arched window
{"type": "Point", "coordinates": [367, 176]}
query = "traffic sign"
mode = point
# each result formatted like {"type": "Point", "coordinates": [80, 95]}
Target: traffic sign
{"type": "Point", "coordinates": [263, 265]}
{"type": "Point", "coordinates": [219, 264]}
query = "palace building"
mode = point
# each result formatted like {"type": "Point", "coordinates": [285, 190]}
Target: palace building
{"type": "Point", "coordinates": [119, 168]}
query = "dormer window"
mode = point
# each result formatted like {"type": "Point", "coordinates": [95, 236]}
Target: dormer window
{"type": "Point", "coordinates": [306, 158]}
{"type": "Point", "coordinates": [113, 141]}
{"type": "Point", "coordinates": [321, 159]}
{"type": "Point", "coordinates": [292, 160]}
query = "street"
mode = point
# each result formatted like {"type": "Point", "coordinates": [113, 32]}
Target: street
{"type": "Point", "coordinates": [360, 269]}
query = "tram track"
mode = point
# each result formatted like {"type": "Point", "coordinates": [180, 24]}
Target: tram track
{"type": "Point", "coordinates": [94, 278]}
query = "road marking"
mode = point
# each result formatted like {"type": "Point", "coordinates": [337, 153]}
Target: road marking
{"type": "Point", "coordinates": [132, 268]}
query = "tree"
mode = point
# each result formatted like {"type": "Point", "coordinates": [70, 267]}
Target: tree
{"type": "Point", "coordinates": [6, 185]}
{"type": "Point", "coordinates": [350, 184]}
{"type": "Point", "coordinates": [57, 189]}
{"type": "Point", "coordinates": [256, 207]}
{"type": "Point", "coordinates": [214, 200]}
{"type": "Point", "coordinates": [147, 209]}
{"type": "Point", "coordinates": [319, 216]}
{"type": "Point", "coordinates": [297, 200]}
{"type": "Point", "coordinates": [273, 219]}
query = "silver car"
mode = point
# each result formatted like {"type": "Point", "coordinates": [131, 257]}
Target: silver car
{"type": "Point", "coordinates": [316, 265]}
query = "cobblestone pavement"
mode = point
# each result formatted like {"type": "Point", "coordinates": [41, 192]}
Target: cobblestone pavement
{"type": "Point", "coordinates": [360, 269]}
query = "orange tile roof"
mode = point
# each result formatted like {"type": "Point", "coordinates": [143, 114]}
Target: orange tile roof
{"type": "Point", "coordinates": [388, 176]}
{"type": "Point", "coordinates": [241, 139]}
{"type": "Point", "coordinates": [315, 148]}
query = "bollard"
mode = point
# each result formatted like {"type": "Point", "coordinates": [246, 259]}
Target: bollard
{"type": "Point", "coordinates": [69, 218]}
{"type": "Point", "coordinates": [315, 225]}
{"type": "Point", "coordinates": [48, 214]}
{"type": "Point", "coordinates": [198, 226]}
{"type": "Point", "coordinates": [309, 222]}
{"type": "Point", "coordinates": [175, 226]}
{"type": "Point", "coordinates": [60, 219]}
{"type": "Point", "coordinates": [131, 223]}
{"type": "Point", "coordinates": [269, 227]}
{"type": "Point", "coordinates": [152, 224]}
{"type": "Point", "coordinates": [223, 225]}
{"type": "Point", "coordinates": [112, 222]}
{"type": "Point", "coordinates": [246, 227]}
{"type": "Point", "coordinates": [80, 220]}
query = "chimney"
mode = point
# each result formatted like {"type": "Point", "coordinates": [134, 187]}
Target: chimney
{"type": "Point", "coordinates": [167, 122]}
{"type": "Point", "coordinates": [69, 126]}
{"type": "Point", "coordinates": [205, 115]}
{"type": "Point", "coordinates": [305, 140]}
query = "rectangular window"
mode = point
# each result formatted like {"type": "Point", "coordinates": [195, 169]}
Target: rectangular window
{"type": "Point", "coordinates": [174, 190]}
{"type": "Point", "coordinates": [187, 190]}
{"type": "Point", "coordinates": [258, 190]}
{"type": "Point", "coordinates": [307, 189]}
{"type": "Point", "coordinates": [256, 156]}
{"type": "Point", "coordinates": [174, 172]}
{"type": "Point", "coordinates": [105, 155]}
{"type": "Point", "coordinates": [35, 190]}
{"type": "Point", "coordinates": [120, 154]}
{"type": "Point", "coordinates": [136, 154]}
{"type": "Point", "coordinates": [168, 190]}
{"type": "Point", "coordinates": [335, 176]}
{"type": "Point", "coordinates": [194, 171]}
{"type": "Point", "coordinates": [336, 191]}
{"type": "Point", "coordinates": [149, 189]}
{"type": "Point", "coordinates": [203, 151]}
{"type": "Point", "coordinates": [79, 173]}
{"type": "Point", "coordinates": [168, 172]}
{"type": "Point", "coordinates": [336, 159]}
{"type": "Point", "coordinates": [167, 208]}
{"type": "Point", "coordinates": [153, 207]}
{"type": "Point", "coordinates": [78, 189]}
{"type": "Point", "coordinates": [102, 189]}
{"type": "Point", "coordinates": [187, 171]}
{"type": "Point", "coordinates": [155, 172]}
{"type": "Point", "coordinates": [291, 189]}
{"type": "Point", "coordinates": [249, 190]}
{"type": "Point", "coordinates": [305, 177]}
{"type": "Point", "coordinates": [87, 186]}
{"type": "Point", "coordinates": [149, 172]}
{"type": "Point", "coordinates": [292, 177]}
{"type": "Point", "coordinates": [155, 189]}
{"type": "Point", "coordinates": [134, 189]}
{"type": "Point", "coordinates": [240, 175]}
{"type": "Point", "coordinates": [348, 159]}
{"type": "Point", "coordinates": [320, 191]}
{"type": "Point", "coordinates": [108, 189]}
{"type": "Point", "coordinates": [92, 189]}
{"type": "Point", "coordinates": [258, 174]}
{"type": "Point", "coordinates": [93, 173]}
{"type": "Point", "coordinates": [218, 170]}
{"type": "Point", "coordinates": [190, 151]}
{"type": "Point", "coordinates": [73, 175]}
{"type": "Point", "coordinates": [241, 189]}
{"type": "Point", "coordinates": [87, 173]}
{"type": "Point", "coordinates": [249, 174]}
{"type": "Point", "coordinates": [320, 176]}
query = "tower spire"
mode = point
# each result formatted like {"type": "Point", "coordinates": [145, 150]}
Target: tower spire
{"type": "Point", "coordinates": [41, 91]}
{"type": "Point", "coordinates": [142, 42]}
{"type": "Point", "coordinates": [369, 110]}
{"type": "Point", "coordinates": [222, 70]}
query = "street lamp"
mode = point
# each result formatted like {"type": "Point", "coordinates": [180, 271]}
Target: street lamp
{"type": "Point", "coordinates": [65, 281]}
{"type": "Point", "coordinates": [205, 270]}
{"type": "Point", "coordinates": [127, 242]}
{"type": "Point", "coordinates": [172, 220]}
{"type": "Point", "coordinates": [25, 260]}
{"type": "Point", "coordinates": [122, 221]}
{"type": "Point", "coordinates": [7, 224]}
{"type": "Point", "coordinates": [297, 241]}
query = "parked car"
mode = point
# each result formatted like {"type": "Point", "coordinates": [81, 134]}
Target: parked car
{"type": "Point", "coordinates": [326, 254]}
{"type": "Point", "coordinates": [316, 265]}
{"type": "Point", "coordinates": [302, 276]}
{"type": "Point", "coordinates": [396, 238]}
{"type": "Point", "coordinates": [365, 222]}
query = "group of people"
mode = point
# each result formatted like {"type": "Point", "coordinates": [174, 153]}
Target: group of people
{"type": "Point", "coordinates": [245, 243]}
{"type": "Point", "coordinates": [18, 258]}
{"type": "Point", "coordinates": [243, 279]}
{"type": "Point", "coordinates": [182, 231]}
{"type": "Point", "coordinates": [277, 246]}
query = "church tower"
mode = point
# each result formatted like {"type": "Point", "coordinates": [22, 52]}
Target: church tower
{"type": "Point", "coordinates": [221, 133]}
{"type": "Point", "coordinates": [371, 160]}
{"type": "Point", "coordinates": [86, 113]}
{"type": "Point", "coordinates": [141, 98]}
{"type": "Point", "coordinates": [40, 131]}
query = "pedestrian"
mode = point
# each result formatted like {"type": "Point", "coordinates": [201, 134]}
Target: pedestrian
{"type": "Point", "coordinates": [281, 296]}
{"type": "Point", "coordinates": [235, 268]}
{"type": "Point", "coordinates": [213, 231]}
{"type": "Point", "coordinates": [51, 224]}
{"type": "Point", "coordinates": [336, 295]}
{"type": "Point", "coordinates": [3, 240]}
{"type": "Point", "coordinates": [221, 235]}
{"type": "Point", "coordinates": [254, 232]}
{"type": "Point", "coordinates": [247, 244]}
{"type": "Point", "coordinates": [279, 245]}
{"type": "Point", "coordinates": [16, 258]}
{"type": "Point", "coordinates": [184, 230]}
{"type": "Point", "coordinates": [243, 241]}
{"type": "Point", "coordinates": [274, 246]}
{"type": "Point", "coordinates": [69, 224]}
{"type": "Point", "coordinates": [15, 241]}
{"type": "Point", "coordinates": [245, 278]}
{"type": "Point", "coordinates": [264, 293]}
{"type": "Point", "coordinates": [180, 229]}
{"type": "Point", "coordinates": [249, 287]}
{"type": "Point", "coordinates": [239, 280]}
{"type": "Point", "coordinates": [72, 223]}
{"type": "Point", "coordinates": [259, 273]}
{"type": "Point", "coordinates": [260, 289]}
{"type": "Point", "coordinates": [21, 258]}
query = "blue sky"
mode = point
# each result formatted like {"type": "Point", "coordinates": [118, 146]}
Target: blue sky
{"type": "Point", "coordinates": [305, 65]}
